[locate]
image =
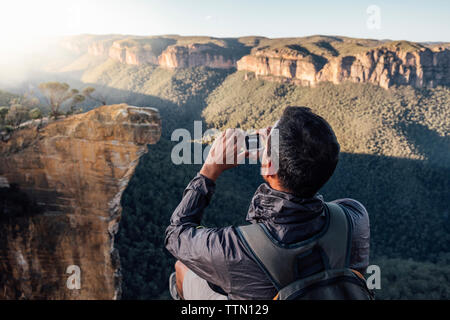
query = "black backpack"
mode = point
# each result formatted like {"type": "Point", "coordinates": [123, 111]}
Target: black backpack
{"type": "Point", "coordinates": [280, 262]}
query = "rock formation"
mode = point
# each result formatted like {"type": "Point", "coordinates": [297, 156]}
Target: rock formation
{"type": "Point", "coordinates": [133, 55]}
{"type": "Point", "coordinates": [100, 48]}
{"type": "Point", "coordinates": [284, 63]}
{"type": "Point", "coordinates": [60, 191]}
{"type": "Point", "coordinates": [165, 51]}
{"type": "Point", "coordinates": [196, 55]}
{"type": "Point", "coordinates": [382, 66]}
{"type": "Point", "coordinates": [303, 61]}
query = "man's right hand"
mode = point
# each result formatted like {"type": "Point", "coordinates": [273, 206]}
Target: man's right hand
{"type": "Point", "coordinates": [225, 153]}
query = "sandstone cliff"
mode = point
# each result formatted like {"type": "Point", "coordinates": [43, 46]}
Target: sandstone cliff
{"type": "Point", "coordinates": [286, 63]}
{"type": "Point", "coordinates": [100, 48]}
{"type": "Point", "coordinates": [94, 44]}
{"type": "Point", "coordinates": [303, 61]}
{"type": "Point", "coordinates": [196, 55]}
{"type": "Point", "coordinates": [384, 66]}
{"type": "Point", "coordinates": [165, 51]}
{"type": "Point", "coordinates": [60, 191]}
{"type": "Point", "coordinates": [130, 54]}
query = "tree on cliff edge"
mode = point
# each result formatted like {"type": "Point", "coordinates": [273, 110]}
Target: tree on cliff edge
{"type": "Point", "coordinates": [17, 114]}
{"type": "Point", "coordinates": [57, 94]}
{"type": "Point", "coordinates": [87, 92]}
{"type": "Point", "coordinates": [3, 113]}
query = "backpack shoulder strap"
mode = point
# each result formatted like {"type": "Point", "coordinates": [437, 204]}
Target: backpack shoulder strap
{"type": "Point", "coordinates": [279, 261]}
{"type": "Point", "coordinates": [336, 242]}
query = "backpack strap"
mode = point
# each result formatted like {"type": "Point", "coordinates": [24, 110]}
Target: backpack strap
{"type": "Point", "coordinates": [280, 261]}
{"type": "Point", "coordinates": [337, 241]}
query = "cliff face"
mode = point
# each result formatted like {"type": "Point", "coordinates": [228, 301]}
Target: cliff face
{"type": "Point", "coordinates": [195, 55]}
{"type": "Point", "coordinates": [381, 66]}
{"type": "Point", "coordinates": [176, 52]}
{"type": "Point", "coordinates": [303, 61]}
{"type": "Point", "coordinates": [100, 48]}
{"type": "Point", "coordinates": [96, 45]}
{"type": "Point", "coordinates": [60, 191]}
{"type": "Point", "coordinates": [283, 63]}
{"type": "Point", "coordinates": [132, 55]}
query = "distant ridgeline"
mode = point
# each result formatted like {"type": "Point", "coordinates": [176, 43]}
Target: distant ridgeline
{"type": "Point", "coordinates": [304, 61]}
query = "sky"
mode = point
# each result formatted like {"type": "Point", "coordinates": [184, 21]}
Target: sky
{"type": "Point", "coordinates": [397, 20]}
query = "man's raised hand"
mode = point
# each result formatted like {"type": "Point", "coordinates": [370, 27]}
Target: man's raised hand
{"type": "Point", "coordinates": [227, 151]}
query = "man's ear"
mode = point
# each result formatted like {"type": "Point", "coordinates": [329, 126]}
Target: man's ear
{"type": "Point", "coordinates": [266, 163]}
{"type": "Point", "coordinates": [268, 168]}
{"type": "Point", "coordinates": [273, 181]}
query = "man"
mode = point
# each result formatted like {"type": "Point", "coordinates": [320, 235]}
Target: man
{"type": "Point", "coordinates": [214, 263]}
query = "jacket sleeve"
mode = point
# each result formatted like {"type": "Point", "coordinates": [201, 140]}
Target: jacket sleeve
{"type": "Point", "coordinates": [203, 250]}
{"type": "Point", "coordinates": [359, 218]}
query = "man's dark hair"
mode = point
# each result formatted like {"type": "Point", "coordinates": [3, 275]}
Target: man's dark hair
{"type": "Point", "coordinates": [308, 151]}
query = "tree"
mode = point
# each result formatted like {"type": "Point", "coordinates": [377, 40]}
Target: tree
{"type": "Point", "coordinates": [87, 92]}
{"type": "Point", "coordinates": [35, 113]}
{"type": "Point", "coordinates": [77, 99]}
{"type": "Point", "coordinates": [17, 114]}
{"type": "Point", "coordinates": [57, 94]}
{"type": "Point", "coordinates": [29, 100]}
{"type": "Point", "coordinates": [3, 113]}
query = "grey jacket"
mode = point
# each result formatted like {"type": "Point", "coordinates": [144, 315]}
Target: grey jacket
{"type": "Point", "coordinates": [219, 256]}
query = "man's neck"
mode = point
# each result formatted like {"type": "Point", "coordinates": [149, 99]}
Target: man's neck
{"type": "Point", "coordinates": [277, 186]}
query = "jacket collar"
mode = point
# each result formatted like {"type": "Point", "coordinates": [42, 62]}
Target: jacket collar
{"type": "Point", "coordinates": [281, 208]}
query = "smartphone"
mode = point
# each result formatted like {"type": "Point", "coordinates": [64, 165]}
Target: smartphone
{"type": "Point", "coordinates": [253, 142]}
